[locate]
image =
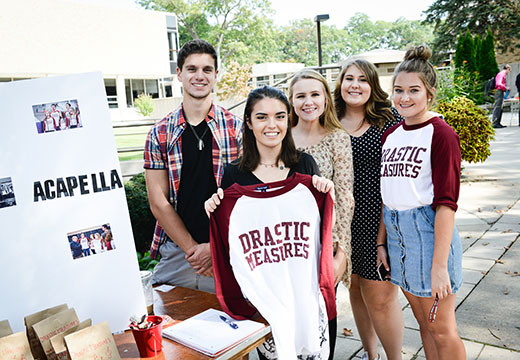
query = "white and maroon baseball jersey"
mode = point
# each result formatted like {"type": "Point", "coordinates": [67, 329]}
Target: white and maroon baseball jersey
{"type": "Point", "coordinates": [56, 116]}
{"type": "Point", "coordinates": [49, 124]}
{"type": "Point", "coordinates": [272, 245]}
{"type": "Point", "coordinates": [420, 165]}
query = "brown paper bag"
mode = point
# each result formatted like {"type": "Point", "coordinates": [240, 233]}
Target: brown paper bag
{"type": "Point", "coordinates": [54, 325]}
{"type": "Point", "coordinates": [15, 346]}
{"type": "Point", "coordinates": [5, 328]}
{"type": "Point", "coordinates": [59, 351]}
{"type": "Point", "coordinates": [95, 342]}
{"type": "Point", "coordinates": [32, 319]}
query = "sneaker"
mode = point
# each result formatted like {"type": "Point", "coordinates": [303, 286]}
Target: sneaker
{"type": "Point", "coordinates": [499, 126]}
{"type": "Point", "coordinates": [365, 356]}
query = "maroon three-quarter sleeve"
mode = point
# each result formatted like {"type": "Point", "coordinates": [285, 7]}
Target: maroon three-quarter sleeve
{"type": "Point", "coordinates": [445, 159]}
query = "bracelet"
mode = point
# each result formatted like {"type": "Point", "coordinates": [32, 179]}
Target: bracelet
{"type": "Point", "coordinates": [378, 245]}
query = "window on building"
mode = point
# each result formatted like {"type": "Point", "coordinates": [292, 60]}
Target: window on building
{"type": "Point", "coordinates": [128, 91]}
{"type": "Point", "coordinates": [111, 90]}
{"type": "Point", "coordinates": [262, 80]}
{"type": "Point", "coordinates": [168, 91]}
{"type": "Point", "coordinates": [173, 41]}
{"type": "Point", "coordinates": [279, 77]}
{"type": "Point", "coordinates": [136, 87]}
{"type": "Point", "coordinates": [152, 88]}
{"type": "Point", "coordinates": [166, 87]}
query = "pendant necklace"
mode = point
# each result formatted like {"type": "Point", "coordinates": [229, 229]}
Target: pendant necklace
{"type": "Point", "coordinates": [201, 143]}
{"type": "Point", "coordinates": [281, 167]}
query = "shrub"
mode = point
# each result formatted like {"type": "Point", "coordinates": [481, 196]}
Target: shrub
{"type": "Point", "coordinates": [471, 123]}
{"type": "Point", "coordinates": [144, 104]}
{"type": "Point", "coordinates": [146, 262]}
{"type": "Point", "coordinates": [141, 217]}
{"type": "Point", "coordinates": [459, 82]}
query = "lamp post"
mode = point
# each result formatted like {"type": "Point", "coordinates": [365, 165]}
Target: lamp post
{"type": "Point", "coordinates": [319, 19]}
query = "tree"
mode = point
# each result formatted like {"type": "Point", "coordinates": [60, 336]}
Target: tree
{"type": "Point", "coordinates": [232, 26]}
{"type": "Point", "coordinates": [364, 35]}
{"type": "Point", "coordinates": [478, 52]}
{"type": "Point", "coordinates": [144, 104]}
{"type": "Point", "coordinates": [297, 42]}
{"type": "Point", "coordinates": [450, 17]}
{"type": "Point", "coordinates": [404, 33]}
{"type": "Point", "coordinates": [233, 83]}
{"type": "Point", "coordinates": [488, 66]}
{"type": "Point", "coordinates": [465, 54]}
{"type": "Point", "coordinates": [459, 49]}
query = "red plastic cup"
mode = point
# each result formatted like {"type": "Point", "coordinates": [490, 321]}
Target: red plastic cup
{"type": "Point", "coordinates": [149, 341]}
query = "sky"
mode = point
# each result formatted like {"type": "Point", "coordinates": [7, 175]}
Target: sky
{"type": "Point", "coordinates": [339, 10]}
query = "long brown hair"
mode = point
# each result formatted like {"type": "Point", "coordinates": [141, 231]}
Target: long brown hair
{"type": "Point", "coordinates": [378, 107]}
{"type": "Point", "coordinates": [328, 119]}
{"type": "Point", "coordinates": [250, 156]}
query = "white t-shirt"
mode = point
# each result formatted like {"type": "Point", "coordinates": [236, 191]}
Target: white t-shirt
{"type": "Point", "coordinates": [84, 243]}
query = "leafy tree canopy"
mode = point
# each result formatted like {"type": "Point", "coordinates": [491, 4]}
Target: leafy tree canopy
{"type": "Point", "coordinates": [451, 17]}
{"type": "Point", "coordinates": [242, 31]}
{"type": "Point", "coordinates": [232, 26]}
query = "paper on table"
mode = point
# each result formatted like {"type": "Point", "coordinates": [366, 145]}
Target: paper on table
{"type": "Point", "coordinates": [209, 334]}
{"type": "Point", "coordinates": [164, 288]}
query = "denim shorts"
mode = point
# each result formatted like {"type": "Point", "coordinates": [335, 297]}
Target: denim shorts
{"type": "Point", "coordinates": [410, 242]}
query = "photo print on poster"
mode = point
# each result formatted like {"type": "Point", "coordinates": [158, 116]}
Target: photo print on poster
{"type": "Point", "coordinates": [6, 193]}
{"type": "Point", "coordinates": [92, 241]}
{"type": "Point", "coordinates": [57, 116]}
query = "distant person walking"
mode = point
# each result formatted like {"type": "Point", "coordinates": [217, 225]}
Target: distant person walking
{"type": "Point", "coordinates": [500, 86]}
{"type": "Point", "coordinates": [518, 90]}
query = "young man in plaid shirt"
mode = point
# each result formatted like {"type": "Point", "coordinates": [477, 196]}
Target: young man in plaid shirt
{"type": "Point", "coordinates": [184, 159]}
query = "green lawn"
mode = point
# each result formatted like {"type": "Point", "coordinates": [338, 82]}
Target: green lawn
{"type": "Point", "coordinates": [131, 137]}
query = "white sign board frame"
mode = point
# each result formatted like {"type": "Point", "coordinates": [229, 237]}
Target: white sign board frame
{"type": "Point", "coordinates": [64, 182]}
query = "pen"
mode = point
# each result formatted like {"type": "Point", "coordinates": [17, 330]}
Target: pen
{"type": "Point", "coordinates": [229, 322]}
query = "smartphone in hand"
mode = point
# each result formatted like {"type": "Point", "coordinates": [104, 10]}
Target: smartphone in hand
{"type": "Point", "coordinates": [382, 272]}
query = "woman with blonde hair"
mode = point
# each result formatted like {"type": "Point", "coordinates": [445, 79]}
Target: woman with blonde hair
{"type": "Point", "coordinates": [365, 112]}
{"type": "Point", "coordinates": [317, 131]}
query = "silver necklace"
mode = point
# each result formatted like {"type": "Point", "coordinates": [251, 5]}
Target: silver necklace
{"type": "Point", "coordinates": [201, 143]}
{"type": "Point", "coordinates": [281, 167]}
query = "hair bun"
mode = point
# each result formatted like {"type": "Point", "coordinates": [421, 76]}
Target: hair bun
{"type": "Point", "coordinates": [421, 52]}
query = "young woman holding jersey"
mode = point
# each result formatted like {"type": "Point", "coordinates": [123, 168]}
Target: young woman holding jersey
{"type": "Point", "coordinates": [420, 182]}
{"type": "Point", "coordinates": [268, 155]}
{"type": "Point", "coordinates": [365, 112]}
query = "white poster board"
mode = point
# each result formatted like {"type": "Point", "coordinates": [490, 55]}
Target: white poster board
{"type": "Point", "coordinates": [57, 181]}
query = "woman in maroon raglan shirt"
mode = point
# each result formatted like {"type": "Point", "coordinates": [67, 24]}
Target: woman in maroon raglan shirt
{"type": "Point", "coordinates": [420, 182]}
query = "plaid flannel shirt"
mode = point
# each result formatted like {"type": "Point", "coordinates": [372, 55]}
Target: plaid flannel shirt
{"type": "Point", "coordinates": [163, 150]}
